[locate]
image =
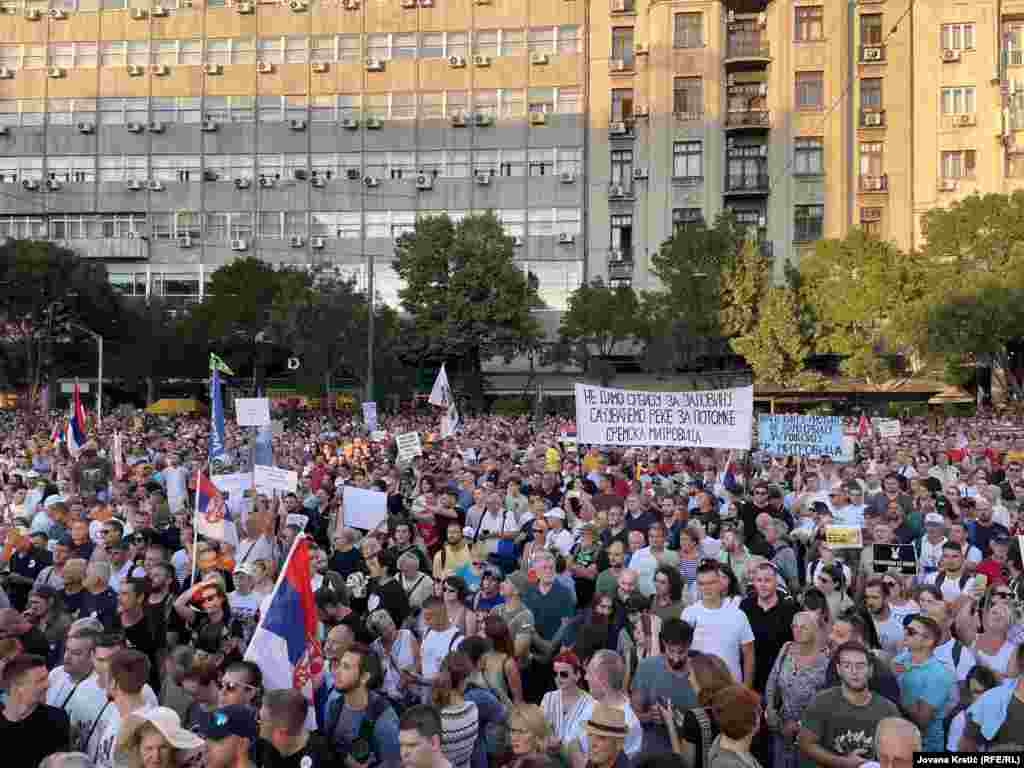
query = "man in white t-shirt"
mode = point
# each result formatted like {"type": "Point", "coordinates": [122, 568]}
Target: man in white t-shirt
{"type": "Point", "coordinates": [99, 743]}
{"type": "Point", "coordinates": [175, 479]}
{"type": "Point", "coordinates": [243, 601]}
{"type": "Point", "coordinates": [720, 628]}
{"type": "Point", "coordinates": [952, 578]}
{"type": "Point", "coordinates": [73, 687]}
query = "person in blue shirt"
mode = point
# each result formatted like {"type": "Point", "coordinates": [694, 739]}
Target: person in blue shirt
{"type": "Point", "coordinates": [925, 682]}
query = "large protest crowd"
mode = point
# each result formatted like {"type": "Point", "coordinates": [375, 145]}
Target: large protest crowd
{"type": "Point", "coordinates": [525, 602]}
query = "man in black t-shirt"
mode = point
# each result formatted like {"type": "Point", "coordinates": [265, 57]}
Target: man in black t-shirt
{"type": "Point", "coordinates": [27, 562]}
{"type": "Point", "coordinates": [138, 630]}
{"type": "Point", "coordinates": [27, 724]}
{"type": "Point", "coordinates": [284, 741]}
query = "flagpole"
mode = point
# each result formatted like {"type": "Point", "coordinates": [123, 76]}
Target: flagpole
{"type": "Point", "coordinates": [195, 528]}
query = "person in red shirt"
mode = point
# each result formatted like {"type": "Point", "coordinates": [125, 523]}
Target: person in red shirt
{"type": "Point", "coordinates": [994, 566]}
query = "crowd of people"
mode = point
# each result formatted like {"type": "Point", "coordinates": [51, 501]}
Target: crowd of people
{"type": "Point", "coordinates": [527, 602]}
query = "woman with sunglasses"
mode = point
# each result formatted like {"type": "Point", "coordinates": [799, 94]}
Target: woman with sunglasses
{"type": "Point", "coordinates": [567, 708]}
{"type": "Point", "coordinates": [992, 645]}
{"type": "Point", "coordinates": [454, 594]}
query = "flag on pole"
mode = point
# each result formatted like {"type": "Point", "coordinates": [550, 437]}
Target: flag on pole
{"type": "Point", "coordinates": [120, 470]}
{"type": "Point", "coordinates": [441, 396]}
{"type": "Point", "coordinates": [216, 364]}
{"type": "Point", "coordinates": [863, 426]}
{"type": "Point", "coordinates": [76, 424]}
{"type": "Point", "coordinates": [285, 645]}
{"type": "Point", "coordinates": [57, 434]}
{"type": "Point", "coordinates": [216, 450]}
{"type": "Point", "coordinates": [211, 511]}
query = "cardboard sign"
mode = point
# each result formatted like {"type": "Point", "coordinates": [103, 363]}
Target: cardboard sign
{"type": "Point", "coordinates": [379, 436]}
{"type": "Point", "coordinates": [843, 537]}
{"type": "Point", "coordinates": [409, 446]}
{"type": "Point", "coordinates": [901, 557]}
{"type": "Point", "coordinates": [252, 411]}
{"type": "Point", "coordinates": [888, 428]}
{"type": "Point", "coordinates": [299, 521]}
{"type": "Point", "coordinates": [794, 435]}
{"type": "Point", "coordinates": [270, 479]}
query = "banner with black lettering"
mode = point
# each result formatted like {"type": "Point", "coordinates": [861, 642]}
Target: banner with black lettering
{"type": "Point", "coordinates": [713, 418]}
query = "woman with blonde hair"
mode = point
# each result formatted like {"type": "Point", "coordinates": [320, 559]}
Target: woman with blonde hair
{"type": "Point", "coordinates": [154, 738]}
{"type": "Point", "coordinates": [529, 732]}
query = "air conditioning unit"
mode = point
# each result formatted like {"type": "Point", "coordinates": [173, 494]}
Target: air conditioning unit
{"type": "Point", "coordinates": [184, 241]}
{"type": "Point", "coordinates": [617, 128]}
{"type": "Point", "coordinates": [965, 120]}
{"type": "Point", "coordinates": [950, 54]}
{"type": "Point", "coordinates": [4, 130]}
{"type": "Point", "coordinates": [373, 123]}
{"type": "Point", "coordinates": [320, 67]}
{"type": "Point", "coordinates": [208, 126]}
{"type": "Point", "coordinates": [214, 69]}
{"type": "Point", "coordinates": [239, 245]}
{"type": "Point", "coordinates": [619, 6]}
{"type": "Point", "coordinates": [374, 64]}
{"type": "Point", "coordinates": [872, 118]}
{"type": "Point", "coordinates": [731, 17]}
{"type": "Point", "coordinates": [762, 89]}
{"type": "Point", "coordinates": [517, 241]}
{"type": "Point", "coordinates": [318, 181]}
{"type": "Point", "coordinates": [617, 65]}
{"type": "Point", "coordinates": [136, 70]}
{"type": "Point", "coordinates": [139, 14]}
{"type": "Point", "coordinates": [298, 6]}
{"type": "Point", "coordinates": [568, 177]}
{"type": "Point", "coordinates": [55, 72]}
{"type": "Point", "coordinates": [615, 190]}
{"type": "Point", "coordinates": [317, 243]}
{"type": "Point", "coordinates": [158, 12]}
{"type": "Point", "coordinates": [566, 238]}
{"type": "Point", "coordinates": [210, 175]}
{"type": "Point", "coordinates": [265, 68]}
{"type": "Point", "coordinates": [300, 174]}
{"type": "Point", "coordinates": [640, 49]}
{"type": "Point", "coordinates": [156, 127]}
{"type": "Point", "coordinates": [52, 185]}
{"type": "Point", "coordinates": [160, 70]}
{"type": "Point", "coordinates": [86, 127]}
{"type": "Point", "coordinates": [33, 14]}
{"type": "Point", "coordinates": [482, 119]}
{"type": "Point", "coordinates": [872, 182]}
{"type": "Point", "coordinates": [456, 61]}
{"type": "Point", "coordinates": [267, 182]}
{"type": "Point", "coordinates": [483, 178]}
{"type": "Point", "coordinates": [424, 182]}
{"type": "Point", "coordinates": [58, 14]}
{"type": "Point", "coordinates": [639, 174]}
{"type": "Point", "coordinates": [947, 185]}
{"type": "Point", "coordinates": [350, 123]}
{"type": "Point", "coordinates": [136, 127]}
{"type": "Point", "coordinates": [351, 5]}
{"type": "Point", "coordinates": [243, 183]}
{"type": "Point", "coordinates": [459, 120]}
{"type": "Point", "coordinates": [537, 118]}
{"type": "Point", "coordinates": [871, 54]}
{"type": "Point", "coordinates": [480, 60]}
{"type": "Point", "coordinates": [640, 111]}
{"type": "Point", "coordinates": [296, 241]}
{"type": "Point", "coordinates": [155, 186]}
{"type": "Point", "coordinates": [297, 125]}
{"type": "Point", "coordinates": [6, 73]}
{"type": "Point", "coordinates": [371, 181]}
{"type": "Point", "coordinates": [30, 184]}
{"type": "Point", "coordinates": [135, 185]}
{"type": "Point", "coordinates": [538, 58]}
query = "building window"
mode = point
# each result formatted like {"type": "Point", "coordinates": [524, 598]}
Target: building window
{"type": "Point", "coordinates": [512, 163]}
{"type": "Point", "coordinates": [541, 162]}
{"type": "Point", "coordinates": [958, 37]}
{"type": "Point", "coordinates": [684, 219]}
{"type": "Point", "coordinates": [958, 164]}
{"type": "Point", "coordinates": [378, 47]}
{"type": "Point", "coordinates": [541, 100]}
{"type": "Point", "coordinates": [808, 221]}
{"type": "Point", "coordinates": [871, 157]}
{"type": "Point", "coordinates": [688, 98]}
{"type": "Point", "coordinates": [432, 45]}
{"type": "Point", "coordinates": [809, 24]}
{"type": "Point", "coordinates": [687, 161]}
{"type": "Point", "coordinates": [570, 160]}
{"type": "Point", "coordinates": [958, 100]}
{"type": "Point", "coordinates": [808, 156]}
{"type": "Point", "coordinates": [71, 169]}
{"type": "Point", "coordinates": [621, 238]}
{"type": "Point", "coordinates": [542, 40]}
{"type": "Point", "coordinates": [569, 41]}
{"type": "Point", "coordinates": [810, 90]}
{"type": "Point", "coordinates": [403, 106]}
{"type": "Point", "coordinates": [541, 221]}
{"type": "Point", "coordinates": [622, 45]}
{"type": "Point", "coordinates": [485, 42]}
{"type": "Point", "coordinates": [622, 168]}
{"type": "Point", "coordinates": [404, 46]}
{"type": "Point", "coordinates": [871, 29]}
{"type": "Point", "coordinates": [871, 93]}
{"type": "Point", "coordinates": [871, 221]}
{"type": "Point", "coordinates": [457, 44]}
{"type": "Point", "coordinates": [622, 104]}
{"type": "Point", "coordinates": [569, 101]}
{"type": "Point", "coordinates": [689, 30]}
{"type": "Point", "coordinates": [513, 42]}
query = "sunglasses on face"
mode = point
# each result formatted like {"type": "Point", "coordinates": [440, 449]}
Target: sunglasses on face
{"type": "Point", "coordinates": [229, 686]}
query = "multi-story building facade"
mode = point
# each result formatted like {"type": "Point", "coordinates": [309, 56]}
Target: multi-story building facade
{"type": "Point", "coordinates": [168, 137]}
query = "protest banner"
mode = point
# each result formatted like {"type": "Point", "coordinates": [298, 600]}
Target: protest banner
{"type": "Point", "coordinates": [270, 479]}
{"type": "Point", "coordinates": [714, 418]}
{"type": "Point", "coordinates": [364, 509]}
{"type": "Point", "coordinates": [793, 435]}
{"type": "Point", "coordinates": [843, 537]}
{"type": "Point", "coordinates": [409, 446]}
{"type": "Point", "coordinates": [899, 557]}
{"type": "Point", "coordinates": [888, 428]}
{"type": "Point", "coordinates": [252, 411]}
{"type": "Point", "coordinates": [370, 416]}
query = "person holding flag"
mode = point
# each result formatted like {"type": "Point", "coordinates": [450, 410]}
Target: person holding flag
{"type": "Point", "coordinates": [76, 436]}
{"type": "Point", "coordinates": [441, 396]}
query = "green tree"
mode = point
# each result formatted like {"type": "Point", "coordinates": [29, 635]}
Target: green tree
{"type": "Point", "coordinates": [466, 297]}
{"type": "Point", "coordinates": [599, 319]}
{"type": "Point", "coordinates": [775, 347]}
{"type": "Point", "coordinates": [743, 284]}
{"type": "Point", "coordinates": [855, 288]}
{"type": "Point", "coordinates": [975, 236]}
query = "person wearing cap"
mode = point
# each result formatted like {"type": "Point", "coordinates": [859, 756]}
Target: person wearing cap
{"type": "Point", "coordinates": [27, 561]}
{"type": "Point", "coordinates": [929, 548]}
{"type": "Point", "coordinates": [558, 537]}
{"type": "Point", "coordinates": [243, 601]}
{"type": "Point", "coordinates": [606, 734]}
{"type": "Point", "coordinates": [30, 727]}
{"type": "Point", "coordinates": [230, 734]}
{"type": "Point", "coordinates": [155, 730]}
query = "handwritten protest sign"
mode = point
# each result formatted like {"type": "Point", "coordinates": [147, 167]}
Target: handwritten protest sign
{"type": "Point", "coordinates": [793, 435]}
{"type": "Point", "coordinates": [899, 557]}
{"type": "Point", "coordinates": [888, 428]}
{"type": "Point", "coordinates": [270, 479]}
{"type": "Point", "coordinates": [843, 537]}
{"type": "Point", "coordinates": [364, 509]}
{"type": "Point", "coordinates": [409, 446]}
{"type": "Point", "coordinates": [716, 418]}
{"type": "Point", "coordinates": [252, 411]}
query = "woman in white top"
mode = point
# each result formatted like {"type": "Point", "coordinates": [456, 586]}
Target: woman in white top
{"type": "Point", "coordinates": [399, 652]}
{"type": "Point", "coordinates": [992, 646]}
{"type": "Point", "coordinates": [567, 707]}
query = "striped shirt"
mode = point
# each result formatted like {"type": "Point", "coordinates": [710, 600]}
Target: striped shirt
{"type": "Point", "coordinates": [460, 726]}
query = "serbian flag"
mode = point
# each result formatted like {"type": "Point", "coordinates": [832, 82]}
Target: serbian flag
{"type": "Point", "coordinates": [863, 426]}
{"type": "Point", "coordinates": [57, 434]}
{"type": "Point", "coordinates": [284, 645]}
{"type": "Point", "coordinates": [211, 511]}
{"type": "Point", "coordinates": [76, 424]}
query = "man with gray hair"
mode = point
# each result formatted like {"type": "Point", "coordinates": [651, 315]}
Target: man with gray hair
{"type": "Point", "coordinates": [896, 741]}
{"type": "Point", "coordinates": [67, 760]}
{"type": "Point", "coordinates": [606, 677]}
{"type": "Point", "coordinates": [417, 584]}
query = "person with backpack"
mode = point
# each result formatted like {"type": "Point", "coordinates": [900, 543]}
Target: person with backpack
{"type": "Point", "coordinates": [952, 578]}
{"type": "Point", "coordinates": [439, 638]}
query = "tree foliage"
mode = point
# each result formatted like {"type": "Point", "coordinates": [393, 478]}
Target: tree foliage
{"type": "Point", "coordinates": [743, 285]}
{"type": "Point", "coordinates": [598, 320]}
{"type": "Point", "coordinates": [775, 348]}
{"type": "Point", "coordinates": [466, 297]}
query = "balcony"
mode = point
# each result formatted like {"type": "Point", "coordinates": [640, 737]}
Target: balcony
{"type": "Point", "coordinates": [1013, 57]}
{"type": "Point", "coordinates": [872, 54]}
{"type": "Point", "coordinates": [620, 264]}
{"type": "Point", "coordinates": [872, 118]}
{"type": "Point", "coordinates": [109, 248]}
{"type": "Point", "coordinates": [874, 183]}
{"type": "Point", "coordinates": [747, 184]}
{"type": "Point", "coordinates": [745, 48]}
{"type": "Point", "coordinates": [621, 190]}
{"type": "Point", "coordinates": [752, 118]}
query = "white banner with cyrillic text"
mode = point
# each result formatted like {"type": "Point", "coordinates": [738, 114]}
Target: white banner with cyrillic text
{"type": "Point", "coordinates": [713, 418]}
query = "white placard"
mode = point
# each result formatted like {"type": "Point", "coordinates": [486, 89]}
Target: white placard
{"type": "Point", "coordinates": [299, 521]}
{"type": "Point", "coordinates": [270, 479]}
{"type": "Point", "coordinates": [364, 509]}
{"type": "Point", "coordinates": [252, 411]}
{"type": "Point", "coordinates": [714, 418]}
{"type": "Point", "coordinates": [888, 428]}
{"type": "Point", "coordinates": [379, 436]}
{"type": "Point", "coordinates": [370, 415]}
{"type": "Point", "coordinates": [409, 446]}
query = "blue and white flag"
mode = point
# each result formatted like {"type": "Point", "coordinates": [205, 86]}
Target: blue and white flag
{"type": "Point", "coordinates": [441, 396]}
{"type": "Point", "coordinates": [217, 450]}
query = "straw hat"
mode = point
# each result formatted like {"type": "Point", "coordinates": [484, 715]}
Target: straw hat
{"type": "Point", "coordinates": [165, 720]}
{"type": "Point", "coordinates": [607, 721]}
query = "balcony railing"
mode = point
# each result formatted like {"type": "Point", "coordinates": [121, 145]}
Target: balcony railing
{"type": "Point", "coordinates": [753, 118]}
{"type": "Point", "coordinates": [807, 230]}
{"type": "Point", "coordinates": [1013, 57]}
{"type": "Point", "coordinates": [745, 48]}
{"type": "Point", "coordinates": [747, 183]}
{"type": "Point", "coordinates": [874, 183]}
{"type": "Point", "coordinates": [621, 268]}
